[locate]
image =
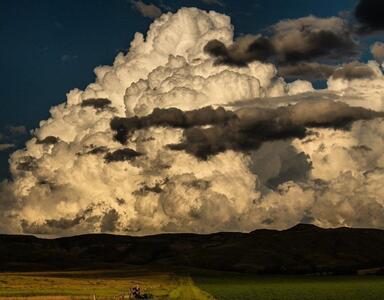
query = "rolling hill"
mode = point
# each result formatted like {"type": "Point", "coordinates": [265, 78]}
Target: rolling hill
{"type": "Point", "coordinates": [303, 249]}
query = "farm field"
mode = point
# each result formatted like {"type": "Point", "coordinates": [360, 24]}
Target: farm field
{"type": "Point", "coordinates": [185, 285]}
{"type": "Point", "coordinates": [105, 285]}
{"type": "Point", "coordinates": [242, 287]}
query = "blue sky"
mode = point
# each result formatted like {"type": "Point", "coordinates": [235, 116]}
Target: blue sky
{"type": "Point", "coordinates": [49, 47]}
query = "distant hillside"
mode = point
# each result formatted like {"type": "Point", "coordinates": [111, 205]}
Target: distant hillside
{"type": "Point", "coordinates": [301, 249]}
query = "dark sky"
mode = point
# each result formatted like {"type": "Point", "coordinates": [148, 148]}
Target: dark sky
{"type": "Point", "coordinates": [49, 47]}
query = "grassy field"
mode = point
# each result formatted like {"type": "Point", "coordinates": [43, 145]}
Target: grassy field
{"type": "Point", "coordinates": [198, 286]}
{"type": "Point", "coordinates": [102, 284]}
{"type": "Point", "coordinates": [236, 287]}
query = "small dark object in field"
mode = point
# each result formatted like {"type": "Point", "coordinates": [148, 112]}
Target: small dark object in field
{"type": "Point", "coordinates": [136, 294]}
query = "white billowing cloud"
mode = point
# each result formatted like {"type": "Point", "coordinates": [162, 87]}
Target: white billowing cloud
{"type": "Point", "coordinates": [365, 91]}
{"type": "Point", "coordinates": [147, 10]}
{"type": "Point", "coordinates": [63, 183]}
{"type": "Point", "coordinates": [377, 50]}
{"type": "Point", "coordinates": [188, 86]}
{"type": "Point", "coordinates": [299, 87]}
{"type": "Point", "coordinates": [168, 68]}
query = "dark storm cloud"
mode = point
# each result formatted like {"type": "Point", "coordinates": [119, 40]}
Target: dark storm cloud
{"type": "Point", "coordinates": [310, 71]}
{"type": "Point", "coordinates": [295, 168]}
{"type": "Point", "coordinates": [314, 71]}
{"type": "Point", "coordinates": [272, 102]}
{"type": "Point", "coordinates": [97, 103]}
{"type": "Point", "coordinates": [121, 155]}
{"type": "Point", "coordinates": [109, 221]}
{"type": "Point", "coordinates": [319, 44]}
{"type": "Point", "coordinates": [247, 129]}
{"type": "Point", "coordinates": [292, 44]}
{"type": "Point", "coordinates": [64, 223]}
{"type": "Point", "coordinates": [255, 126]}
{"type": "Point", "coordinates": [49, 140]}
{"type": "Point", "coordinates": [242, 52]}
{"type": "Point", "coordinates": [169, 117]}
{"type": "Point", "coordinates": [369, 13]}
{"type": "Point", "coordinates": [354, 70]}
{"type": "Point", "coordinates": [309, 46]}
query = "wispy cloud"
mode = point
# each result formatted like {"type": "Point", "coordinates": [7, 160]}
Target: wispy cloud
{"type": "Point", "coordinates": [213, 2]}
{"type": "Point", "coordinates": [17, 130]}
{"type": "Point", "coordinates": [68, 57]}
{"type": "Point", "coordinates": [4, 147]}
{"type": "Point", "coordinates": [147, 10]}
{"type": "Point", "coordinates": [12, 136]}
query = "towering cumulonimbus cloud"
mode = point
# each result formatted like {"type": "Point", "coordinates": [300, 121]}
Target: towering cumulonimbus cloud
{"type": "Point", "coordinates": [167, 140]}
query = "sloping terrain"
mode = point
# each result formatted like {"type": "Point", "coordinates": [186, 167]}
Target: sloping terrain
{"type": "Point", "coordinates": [303, 249]}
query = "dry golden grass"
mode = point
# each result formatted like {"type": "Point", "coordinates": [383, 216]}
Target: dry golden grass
{"type": "Point", "coordinates": [39, 298]}
{"type": "Point", "coordinates": [105, 285]}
